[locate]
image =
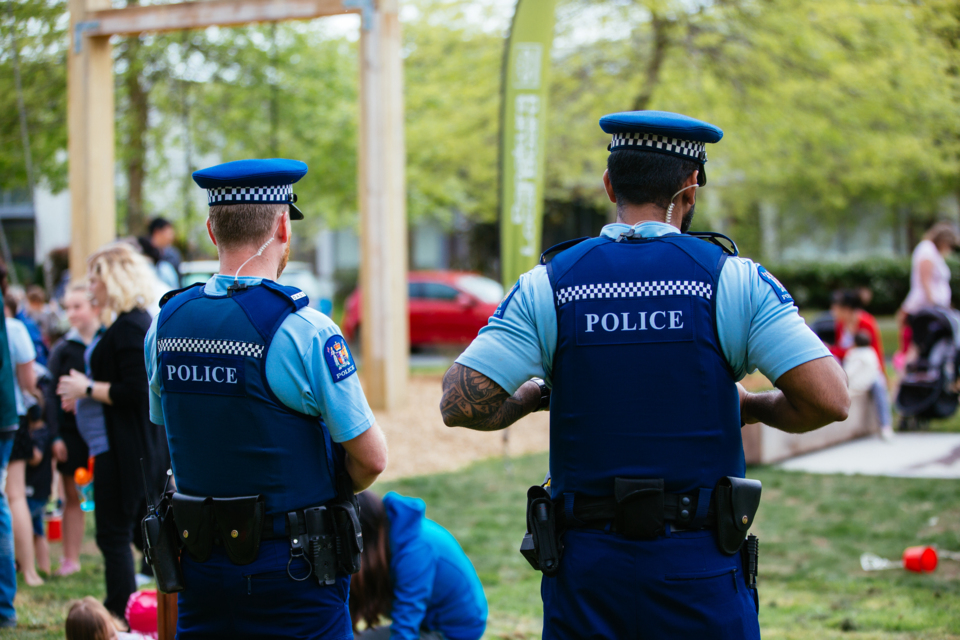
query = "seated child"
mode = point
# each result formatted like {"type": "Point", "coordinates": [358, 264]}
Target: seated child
{"type": "Point", "coordinates": [414, 572]}
{"type": "Point", "coordinates": [865, 375]}
{"type": "Point", "coordinates": [39, 482]}
{"type": "Point", "coordinates": [88, 619]}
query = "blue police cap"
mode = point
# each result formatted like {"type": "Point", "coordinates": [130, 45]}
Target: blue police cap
{"type": "Point", "coordinates": [662, 132]}
{"type": "Point", "coordinates": [267, 181]}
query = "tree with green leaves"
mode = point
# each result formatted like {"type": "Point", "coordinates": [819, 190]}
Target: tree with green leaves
{"type": "Point", "coordinates": [33, 36]}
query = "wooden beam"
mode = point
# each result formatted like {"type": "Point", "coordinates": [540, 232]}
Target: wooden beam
{"type": "Point", "coordinates": [90, 140]}
{"type": "Point", "coordinates": [383, 212]}
{"type": "Point", "coordinates": [167, 611]}
{"type": "Point", "coordinates": [198, 15]}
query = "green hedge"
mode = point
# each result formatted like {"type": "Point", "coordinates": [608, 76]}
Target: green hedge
{"type": "Point", "coordinates": [812, 283]}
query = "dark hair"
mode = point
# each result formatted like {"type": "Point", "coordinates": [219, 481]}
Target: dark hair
{"type": "Point", "coordinates": [11, 303]}
{"type": "Point", "coordinates": [148, 250]}
{"type": "Point", "coordinates": [371, 590]}
{"type": "Point", "coordinates": [4, 278]}
{"type": "Point", "coordinates": [639, 177]}
{"type": "Point", "coordinates": [158, 224]}
{"type": "Point", "coordinates": [848, 299]}
{"type": "Point", "coordinates": [36, 294]}
{"type": "Point", "coordinates": [862, 339]}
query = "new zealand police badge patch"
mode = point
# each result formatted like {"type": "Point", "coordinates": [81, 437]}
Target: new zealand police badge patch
{"type": "Point", "coordinates": [339, 360]}
{"type": "Point", "coordinates": [778, 288]}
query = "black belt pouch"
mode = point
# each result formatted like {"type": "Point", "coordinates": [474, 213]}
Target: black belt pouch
{"type": "Point", "coordinates": [737, 501]}
{"type": "Point", "coordinates": [194, 521]}
{"type": "Point", "coordinates": [349, 536]}
{"type": "Point", "coordinates": [239, 525]}
{"type": "Point", "coordinates": [542, 525]}
{"type": "Point", "coordinates": [639, 511]}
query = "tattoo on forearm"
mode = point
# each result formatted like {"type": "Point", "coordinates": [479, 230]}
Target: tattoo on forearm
{"type": "Point", "coordinates": [472, 400]}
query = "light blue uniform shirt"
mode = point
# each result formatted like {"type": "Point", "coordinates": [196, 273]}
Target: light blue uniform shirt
{"type": "Point", "coordinates": [296, 370]}
{"type": "Point", "coordinates": [756, 329]}
{"type": "Point", "coordinates": [22, 351]}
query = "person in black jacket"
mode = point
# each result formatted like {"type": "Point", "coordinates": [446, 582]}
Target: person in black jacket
{"type": "Point", "coordinates": [123, 286]}
{"type": "Point", "coordinates": [69, 448]}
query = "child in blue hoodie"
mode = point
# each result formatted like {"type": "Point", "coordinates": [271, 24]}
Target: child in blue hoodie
{"type": "Point", "coordinates": [414, 572]}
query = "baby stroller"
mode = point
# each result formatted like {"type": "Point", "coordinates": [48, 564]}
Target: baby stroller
{"type": "Point", "coordinates": [928, 389]}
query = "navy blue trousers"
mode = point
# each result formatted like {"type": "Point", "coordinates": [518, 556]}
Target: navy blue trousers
{"type": "Point", "coordinates": [259, 600]}
{"type": "Point", "coordinates": [677, 586]}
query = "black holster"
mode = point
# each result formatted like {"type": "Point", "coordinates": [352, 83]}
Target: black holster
{"type": "Point", "coordinates": [541, 545]}
{"type": "Point", "coordinates": [736, 500]}
{"type": "Point", "coordinates": [322, 542]}
{"type": "Point", "coordinates": [751, 560]}
{"type": "Point", "coordinates": [161, 547]}
{"type": "Point", "coordinates": [236, 523]}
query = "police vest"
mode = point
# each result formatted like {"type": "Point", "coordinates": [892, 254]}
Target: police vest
{"type": "Point", "coordinates": [228, 432]}
{"type": "Point", "coordinates": [641, 388]}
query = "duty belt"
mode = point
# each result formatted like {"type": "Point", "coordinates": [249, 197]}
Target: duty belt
{"type": "Point", "coordinates": [277, 527]}
{"type": "Point", "coordinates": [641, 510]}
{"type": "Point", "coordinates": [679, 509]}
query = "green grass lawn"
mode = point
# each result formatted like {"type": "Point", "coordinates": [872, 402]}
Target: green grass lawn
{"type": "Point", "coordinates": [812, 531]}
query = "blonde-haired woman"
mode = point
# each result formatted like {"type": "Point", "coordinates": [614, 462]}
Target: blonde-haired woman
{"type": "Point", "coordinates": [122, 286]}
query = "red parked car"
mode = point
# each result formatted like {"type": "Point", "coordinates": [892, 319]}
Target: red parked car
{"type": "Point", "coordinates": [446, 307]}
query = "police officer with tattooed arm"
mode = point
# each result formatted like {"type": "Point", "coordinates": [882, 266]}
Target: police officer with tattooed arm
{"type": "Point", "coordinates": [635, 341]}
{"type": "Point", "coordinates": [270, 434]}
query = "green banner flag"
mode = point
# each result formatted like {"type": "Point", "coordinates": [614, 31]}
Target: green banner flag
{"type": "Point", "coordinates": [523, 119]}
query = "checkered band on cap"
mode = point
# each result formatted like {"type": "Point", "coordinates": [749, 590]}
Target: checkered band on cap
{"type": "Point", "coordinates": [282, 194]}
{"type": "Point", "coordinates": [634, 290]}
{"type": "Point", "coordinates": [219, 347]}
{"type": "Point", "coordinates": [686, 148]}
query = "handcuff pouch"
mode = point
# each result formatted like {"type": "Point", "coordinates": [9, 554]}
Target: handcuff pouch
{"type": "Point", "coordinates": [639, 511]}
{"type": "Point", "coordinates": [239, 525]}
{"type": "Point", "coordinates": [737, 501]}
{"type": "Point", "coordinates": [194, 524]}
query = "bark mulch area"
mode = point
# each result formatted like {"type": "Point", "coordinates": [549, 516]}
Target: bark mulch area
{"type": "Point", "coordinates": [421, 444]}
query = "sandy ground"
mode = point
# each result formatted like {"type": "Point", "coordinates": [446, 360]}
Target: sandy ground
{"type": "Point", "coordinates": [421, 444]}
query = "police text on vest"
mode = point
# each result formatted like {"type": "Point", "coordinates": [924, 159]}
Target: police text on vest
{"type": "Point", "coordinates": [658, 321]}
{"type": "Point", "coordinates": [613, 321]}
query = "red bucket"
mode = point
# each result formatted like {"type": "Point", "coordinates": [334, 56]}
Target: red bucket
{"type": "Point", "coordinates": [920, 559]}
{"type": "Point", "coordinates": [54, 528]}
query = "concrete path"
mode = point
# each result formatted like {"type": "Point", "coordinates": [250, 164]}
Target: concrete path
{"type": "Point", "coordinates": [909, 455]}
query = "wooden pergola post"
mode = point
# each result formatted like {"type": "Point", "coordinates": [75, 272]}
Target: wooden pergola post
{"type": "Point", "coordinates": [383, 274]}
{"type": "Point", "coordinates": [90, 137]}
{"type": "Point", "coordinates": [383, 212]}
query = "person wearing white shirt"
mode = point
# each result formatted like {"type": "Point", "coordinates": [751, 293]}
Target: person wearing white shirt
{"type": "Point", "coordinates": [865, 375]}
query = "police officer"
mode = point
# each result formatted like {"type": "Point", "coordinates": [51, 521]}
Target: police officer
{"type": "Point", "coordinates": [641, 335]}
{"type": "Point", "coordinates": [260, 400]}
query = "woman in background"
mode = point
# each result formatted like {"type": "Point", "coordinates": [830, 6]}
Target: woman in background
{"type": "Point", "coordinates": [929, 279]}
{"type": "Point", "coordinates": [122, 286]}
{"type": "Point", "coordinates": [22, 354]}
{"type": "Point", "coordinates": [69, 448]}
{"type": "Point", "coordinates": [414, 572]}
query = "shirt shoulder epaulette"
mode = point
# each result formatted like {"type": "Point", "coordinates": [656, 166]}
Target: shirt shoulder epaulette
{"type": "Point", "coordinates": [169, 295]}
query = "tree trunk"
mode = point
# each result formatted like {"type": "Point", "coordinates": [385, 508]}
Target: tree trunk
{"type": "Point", "coordinates": [136, 142]}
{"type": "Point", "coordinates": [274, 94]}
{"type": "Point", "coordinates": [661, 43]}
